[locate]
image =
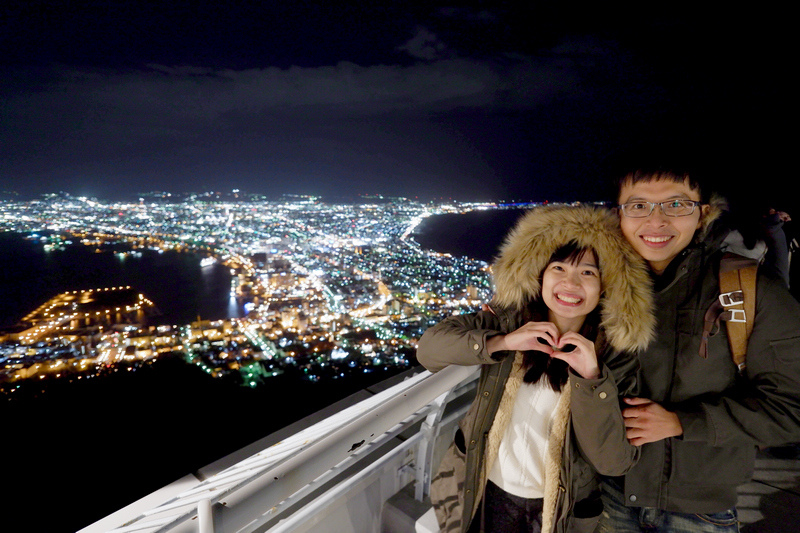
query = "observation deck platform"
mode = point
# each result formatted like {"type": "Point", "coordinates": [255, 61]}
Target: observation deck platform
{"type": "Point", "coordinates": [364, 465]}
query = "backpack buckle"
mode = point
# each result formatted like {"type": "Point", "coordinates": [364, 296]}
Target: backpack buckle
{"type": "Point", "coordinates": [728, 299]}
{"type": "Point", "coordinates": [737, 315]}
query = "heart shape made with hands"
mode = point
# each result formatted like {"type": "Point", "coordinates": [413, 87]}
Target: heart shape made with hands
{"type": "Point", "coordinates": [566, 348]}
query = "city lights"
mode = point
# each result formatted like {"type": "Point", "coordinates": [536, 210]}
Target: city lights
{"type": "Point", "coordinates": [329, 289]}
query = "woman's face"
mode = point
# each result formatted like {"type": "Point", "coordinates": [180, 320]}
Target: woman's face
{"type": "Point", "coordinates": [571, 290]}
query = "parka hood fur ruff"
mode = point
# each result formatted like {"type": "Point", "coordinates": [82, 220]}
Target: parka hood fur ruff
{"type": "Point", "coordinates": [626, 301]}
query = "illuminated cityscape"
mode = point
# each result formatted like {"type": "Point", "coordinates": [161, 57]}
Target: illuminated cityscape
{"type": "Point", "coordinates": [328, 289]}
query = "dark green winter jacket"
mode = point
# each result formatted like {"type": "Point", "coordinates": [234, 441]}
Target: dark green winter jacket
{"type": "Point", "coordinates": [724, 417]}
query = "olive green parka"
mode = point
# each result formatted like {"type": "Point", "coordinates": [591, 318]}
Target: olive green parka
{"type": "Point", "coordinates": [588, 435]}
{"type": "Point", "coordinates": [724, 415]}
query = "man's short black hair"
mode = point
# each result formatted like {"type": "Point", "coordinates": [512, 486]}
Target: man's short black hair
{"type": "Point", "coordinates": [660, 160]}
{"type": "Point", "coordinates": [646, 175]}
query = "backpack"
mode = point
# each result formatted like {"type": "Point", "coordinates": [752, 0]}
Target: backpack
{"type": "Point", "coordinates": [736, 306]}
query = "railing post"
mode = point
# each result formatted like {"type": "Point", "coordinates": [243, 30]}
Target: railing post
{"type": "Point", "coordinates": [429, 431]}
{"type": "Point", "coordinates": [205, 517]}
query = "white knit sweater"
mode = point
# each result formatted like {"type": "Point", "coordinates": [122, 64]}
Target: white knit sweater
{"type": "Point", "coordinates": [520, 465]}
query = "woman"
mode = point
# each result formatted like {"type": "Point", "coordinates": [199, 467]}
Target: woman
{"type": "Point", "coordinates": [546, 418]}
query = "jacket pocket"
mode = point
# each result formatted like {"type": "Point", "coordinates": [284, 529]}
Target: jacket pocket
{"type": "Point", "coordinates": [589, 507]}
{"type": "Point", "coordinates": [584, 478]}
{"type": "Point", "coordinates": [582, 525]}
{"type": "Point", "coordinates": [696, 374]}
{"type": "Point", "coordinates": [459, 442]}
{"type": "Point", "coordinates": [695, 463]}
{"type": "Point", "coordinates": [447, 488]}
{"type": "Point", "coordinates": [786, 351]}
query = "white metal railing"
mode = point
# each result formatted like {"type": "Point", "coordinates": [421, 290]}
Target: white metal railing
{"type": "Point", "coordinates": [287, 482]}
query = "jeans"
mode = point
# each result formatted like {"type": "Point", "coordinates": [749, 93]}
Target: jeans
{"type": "Point", "coordinates": [507, 513]}
{"type": "Point", "coordinates": [619, 518]}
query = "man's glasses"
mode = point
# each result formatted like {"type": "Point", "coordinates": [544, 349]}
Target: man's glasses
{"type": "Point", "coordinates": [671, 208]}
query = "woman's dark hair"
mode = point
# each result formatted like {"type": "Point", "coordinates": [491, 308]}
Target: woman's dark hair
{"type": "Point", "coordinates": [538, 364]}
{"type": "Point", "coordinates": [572, 252]}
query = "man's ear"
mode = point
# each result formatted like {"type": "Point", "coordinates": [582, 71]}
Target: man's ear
{"type": "Point", "coordinates": [704, 209]}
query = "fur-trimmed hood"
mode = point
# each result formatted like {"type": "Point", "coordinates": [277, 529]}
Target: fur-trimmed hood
{"type": "Point", "coordinates": [626, 302]}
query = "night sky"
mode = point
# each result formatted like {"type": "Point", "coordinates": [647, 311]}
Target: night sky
{"type": "Point", "coordinates": [464, 100]}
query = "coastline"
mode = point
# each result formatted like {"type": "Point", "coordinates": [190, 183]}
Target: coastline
{"type": "Point", "coordinates": [477, 234]}
{"type": "Point", "coordinates": [136, 407]}
{"type": "Point", "coordinates": [175, 281]}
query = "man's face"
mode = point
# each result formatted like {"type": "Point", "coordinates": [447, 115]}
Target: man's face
{"type": "Point", "coordinates": [659, 238]}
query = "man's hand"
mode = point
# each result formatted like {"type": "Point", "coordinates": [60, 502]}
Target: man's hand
{"type": "Point", "coordinates": [646, 421]}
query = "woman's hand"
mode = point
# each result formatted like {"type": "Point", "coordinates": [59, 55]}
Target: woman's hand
{"type": "Point", "coordinates": [578, 352]}
{"type": "Point", "coordinates": [572, 348]}
{"type": "Point", "coordinates": [541, 336]}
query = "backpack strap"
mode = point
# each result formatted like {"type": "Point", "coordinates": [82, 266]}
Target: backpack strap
{"type": "Point", "coordinates": [737, 286]}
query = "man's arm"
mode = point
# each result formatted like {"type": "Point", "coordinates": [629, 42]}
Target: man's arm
{"type": "Point", "coordinates": [647, 421]}
{"type": "Point", "coordinates": [764, 408]}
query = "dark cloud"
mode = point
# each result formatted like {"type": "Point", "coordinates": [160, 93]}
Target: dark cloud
{"type": "Point", "coordinates": [424, 45]}
{"type": "Point", "coordinates": [466, 100]}
{"type": "Point", "coordinates": [404, 122]}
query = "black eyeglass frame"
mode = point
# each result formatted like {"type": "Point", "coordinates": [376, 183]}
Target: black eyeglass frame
{"type": "Point", "coordinates": [653, 205]}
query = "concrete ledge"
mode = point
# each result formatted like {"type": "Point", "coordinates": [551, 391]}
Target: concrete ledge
{"type": "Point", "coordinates": [402, 513]}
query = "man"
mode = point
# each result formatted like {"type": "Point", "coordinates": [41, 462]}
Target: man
{"type": "Point", "coordinates": [778, 252]}
{"type": "Point", "coordinates": [697, 421]}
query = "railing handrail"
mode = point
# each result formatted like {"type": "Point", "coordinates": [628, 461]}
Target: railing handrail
{"type": "Point", "coordinates": [277, 472]}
